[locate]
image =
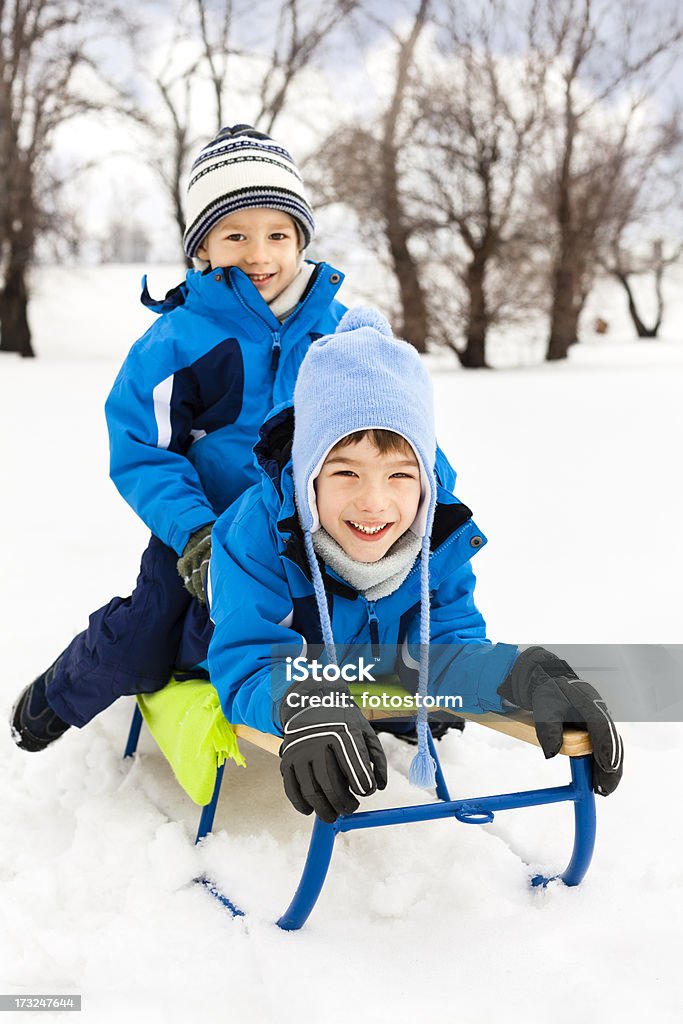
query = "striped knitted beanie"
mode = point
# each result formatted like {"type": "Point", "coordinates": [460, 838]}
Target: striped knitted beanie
{"type": "Point", "coordinates": [242, 169]}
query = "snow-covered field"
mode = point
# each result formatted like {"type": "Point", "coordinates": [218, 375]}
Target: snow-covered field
{"type": "Point", "coordinates": [573, 473]}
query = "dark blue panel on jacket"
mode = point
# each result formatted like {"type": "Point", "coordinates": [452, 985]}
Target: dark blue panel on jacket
{"type": "Point", "coordinates": [306, 618]}
{"type": "Point", "coordinates": [207, 394]}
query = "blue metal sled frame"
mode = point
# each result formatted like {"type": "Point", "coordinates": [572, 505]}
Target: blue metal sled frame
{"type": "Point", "coordinates": [472, 811]}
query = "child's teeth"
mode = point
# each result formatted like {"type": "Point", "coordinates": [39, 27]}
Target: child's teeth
{"type": "Point", "coordinates": [368, 529]}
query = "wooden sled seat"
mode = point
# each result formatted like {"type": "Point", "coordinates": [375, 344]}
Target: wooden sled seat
{"type": "Point", "coordinates": [187, 722]}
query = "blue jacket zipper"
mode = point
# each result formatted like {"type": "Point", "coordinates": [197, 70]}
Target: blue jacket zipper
{"type": "Point", "coordinates": [374, 630]}
{"type": "Point", "coordinates": [277, 345]}
{"type": "Point", "coordinates": [275, 350]}
{"type": "Point", "coordinates": [275, 335]}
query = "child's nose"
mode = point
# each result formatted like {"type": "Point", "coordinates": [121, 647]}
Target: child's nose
{"type": "Point", "coordinates": [257, 252]}
{"type": "Point", "coordinates": [372, 499]}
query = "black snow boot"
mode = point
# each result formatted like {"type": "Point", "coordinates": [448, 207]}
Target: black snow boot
{"type": "Point", "coordinates": [34, 724]}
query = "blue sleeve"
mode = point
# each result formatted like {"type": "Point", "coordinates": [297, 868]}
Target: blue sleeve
{"type": "Point", "coordinates": [150, 421]}
{"type": "Point", "coordinates": [462, 661]}
{"type": "Point", "coordinates": [251, 607]}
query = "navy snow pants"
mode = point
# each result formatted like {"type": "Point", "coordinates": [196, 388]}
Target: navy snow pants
{"type": "Point", "coordinates": [132, 644]}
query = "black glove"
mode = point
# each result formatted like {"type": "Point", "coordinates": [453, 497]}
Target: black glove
{"type": "Point", "coordinates": [328, 753]}
{"type": "Point", "coordinates": [542, 683]}
{"type": "Point", "coordinates": [193, 564]}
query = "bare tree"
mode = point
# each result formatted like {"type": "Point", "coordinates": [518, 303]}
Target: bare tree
{"type": "Point", "coordinates": [656, 265]}
{"type": "Point", "coordinates": [644, 237]}
{"type": "Point", "coordinates": [396, 223]}
{"type": "Point", "coordinates": [442, 191]}
{"type": "Point", "coordinates": [479, 122]}
{"type": "Point", "coordinates": [605, 59]}
{"type": "Point", "coordinates": [491, 175]}
{"type": "Point", "coordinates": [361, 165]}
{"type": "Point", "coordinates": [43, 53]}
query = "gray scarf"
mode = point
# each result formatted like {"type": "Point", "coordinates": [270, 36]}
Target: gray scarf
{"type": "Point", "coordinates": [285, 303]}
{"type": "Point", "coordinates": [371, 579]}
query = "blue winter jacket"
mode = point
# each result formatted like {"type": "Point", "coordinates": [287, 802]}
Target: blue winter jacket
{"type": "Point", "coordinates": [187, 404]}
{"type": "Point", "coordinates": [261, 596]}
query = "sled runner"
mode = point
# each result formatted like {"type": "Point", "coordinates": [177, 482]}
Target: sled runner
{"type": "Point", "coordinates": [186, 721]}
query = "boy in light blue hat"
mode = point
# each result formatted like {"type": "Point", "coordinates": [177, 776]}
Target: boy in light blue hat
{"type": "Point", "coordinates": [350, 542]}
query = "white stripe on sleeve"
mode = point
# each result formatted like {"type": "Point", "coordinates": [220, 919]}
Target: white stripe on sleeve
{"type": "Point", "coordinates": [162, 411]}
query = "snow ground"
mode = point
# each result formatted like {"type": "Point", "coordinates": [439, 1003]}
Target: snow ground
{"type": "Point", "coordinates": [571, 473]}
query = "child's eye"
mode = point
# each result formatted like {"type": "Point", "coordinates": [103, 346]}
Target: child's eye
{"type": "Point", "coordinates": [403, 476]}
{"type": "Point", "coordinates": [236, 237]}
{"type": "Point", "coordinates": [344, 472]}
{"type": "Point", "coordinates": [277, 236]}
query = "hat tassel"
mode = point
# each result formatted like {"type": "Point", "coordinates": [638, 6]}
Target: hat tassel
{"type": "Point", "coordinates": [423, 768]}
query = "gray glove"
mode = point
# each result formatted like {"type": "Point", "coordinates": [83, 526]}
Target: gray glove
{"type": "Point", "coordinates": [193, 564]}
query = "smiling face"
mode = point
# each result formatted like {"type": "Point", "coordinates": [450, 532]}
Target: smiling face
{"type": "Point", "coordinates": [263, 243]}
{"type": "Point", "coordinates": [366, 498]}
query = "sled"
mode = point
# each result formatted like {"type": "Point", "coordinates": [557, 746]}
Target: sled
{"type": "Point", "coordinates": [186, 721]}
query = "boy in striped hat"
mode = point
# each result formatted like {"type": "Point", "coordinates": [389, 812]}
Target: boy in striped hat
{"type": "Point", "coordinates": [183, 416]}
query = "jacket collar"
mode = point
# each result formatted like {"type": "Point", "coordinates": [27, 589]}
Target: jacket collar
{"type": "Point", "coordinates": [230, 290]}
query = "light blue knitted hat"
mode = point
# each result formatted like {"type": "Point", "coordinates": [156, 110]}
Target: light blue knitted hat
{"type": "Point", "coordinates": [362, 378]}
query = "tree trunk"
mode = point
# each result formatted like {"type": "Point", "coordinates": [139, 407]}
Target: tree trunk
{"type": "Point", "coordinates": [15, 333]}
{"type": "Point", "coordinates": [177, 197]}
{"type": "Point", "coordinates": [474, 354]}
{"type": "Point", "coordinates": [564, 314]}
{"type": "Point", "coordinates": [641, 329]}
{"type": "Point", "coordinates": [413, 306]}
{"type": "Point", "coordinates": [564, 317]}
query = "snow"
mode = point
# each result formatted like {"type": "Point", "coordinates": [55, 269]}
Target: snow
{"type": "Point", "coordinates": [572, 473]}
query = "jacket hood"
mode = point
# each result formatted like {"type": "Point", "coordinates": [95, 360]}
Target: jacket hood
{"type": "Point", "coordinates": [173, 298]}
